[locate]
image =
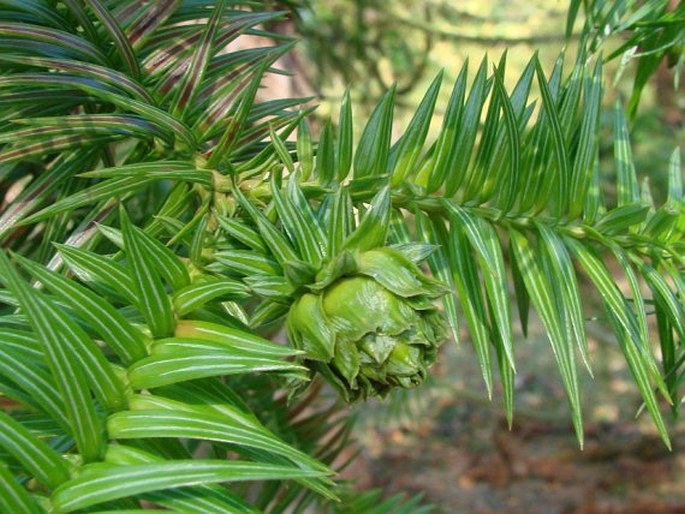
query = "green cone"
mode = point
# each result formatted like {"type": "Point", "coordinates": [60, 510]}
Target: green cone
{"type": "Point", "coordinates": [371, 328]}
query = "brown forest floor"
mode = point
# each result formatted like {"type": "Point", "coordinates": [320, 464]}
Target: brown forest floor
{"type": "Point", "coordinates": [451, 444]}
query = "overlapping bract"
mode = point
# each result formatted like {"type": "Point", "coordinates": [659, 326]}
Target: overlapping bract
{"type": "Point", "coordinates": [362, 312]}
{"type": "Point", "coordinates": [367, 334]}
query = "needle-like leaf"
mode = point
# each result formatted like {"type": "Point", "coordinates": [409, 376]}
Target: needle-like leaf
{"type": "Point", "coordinates": [98, 484]}
{"type": "Point", "coordinates": [66, 365]}
{"type": "Point", "coordinates": [153, 299]}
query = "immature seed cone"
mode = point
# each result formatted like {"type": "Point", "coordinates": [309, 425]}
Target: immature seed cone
{"type": "Point", "coordinates": [371, 325]}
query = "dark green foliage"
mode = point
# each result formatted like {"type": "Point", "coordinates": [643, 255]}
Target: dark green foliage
{"type": "Point", "coordinates": [159, 223]}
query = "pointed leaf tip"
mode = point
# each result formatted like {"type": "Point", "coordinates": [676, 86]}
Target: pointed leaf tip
{"type": "Point", "coordinates": [373, 228]}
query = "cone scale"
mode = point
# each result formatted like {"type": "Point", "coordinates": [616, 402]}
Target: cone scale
{"type": "Point", "coordinates": [371, 329]}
